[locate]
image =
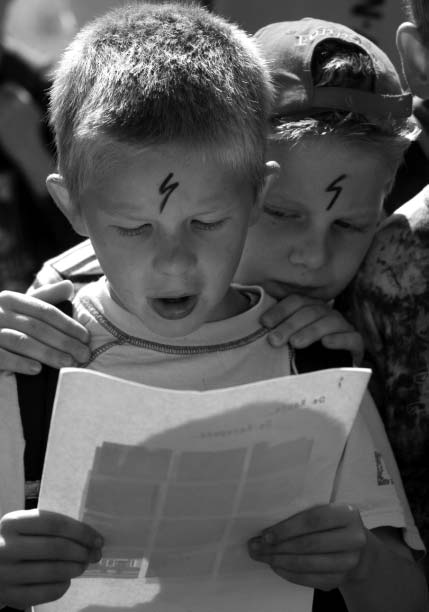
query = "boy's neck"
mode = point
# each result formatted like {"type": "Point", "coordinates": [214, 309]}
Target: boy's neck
{"type": "Point", "coordinates": [233, 304]}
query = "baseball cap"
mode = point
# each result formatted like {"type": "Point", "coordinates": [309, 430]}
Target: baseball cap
{"type": "Point", "coordinates": [289, 46]}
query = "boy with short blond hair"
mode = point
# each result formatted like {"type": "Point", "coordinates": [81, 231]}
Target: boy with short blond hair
{"type": "Point", "coordinates": [160, 113]}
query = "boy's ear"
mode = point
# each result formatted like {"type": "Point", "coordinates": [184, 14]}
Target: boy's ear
{"type": "Point", "coordinates": [415, 59]}
{"type": "Point", "coordinates": [60, 194]}
{"type": "Point", "coordinates": [272, 170]}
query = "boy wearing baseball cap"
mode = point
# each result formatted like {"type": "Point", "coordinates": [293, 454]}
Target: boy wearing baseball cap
{"type": "Point", "coordinates": [340, 125]}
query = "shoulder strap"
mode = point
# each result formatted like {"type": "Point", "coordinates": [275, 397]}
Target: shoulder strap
{"type": "Point", "coordinates": [78, 264]}
{"type": "Point", "coordinates": [36, 397]}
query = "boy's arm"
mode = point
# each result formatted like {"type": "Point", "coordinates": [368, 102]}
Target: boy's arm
{"type": "Point", "coordinates": [391, 581]}
{"type": "Point", "coordinates": [302, 320]}
{"type": "Point", "coordinates": [33, 331]}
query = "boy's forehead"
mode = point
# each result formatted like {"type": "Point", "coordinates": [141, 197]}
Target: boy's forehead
{"type": "Point", "coordinates": [328, 168]}
{"type": "Point", "coordinates": [159, 156]}
{"type": "Point", "coordinates": [316, 150]}
{"type": "Point", "coordinates": [136, 176]}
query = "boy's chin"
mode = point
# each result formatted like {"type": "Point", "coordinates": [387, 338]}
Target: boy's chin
{"type": "Point", "coordinates": [174, 329]}
{"type": "Point", "coordinates": [171, 328]}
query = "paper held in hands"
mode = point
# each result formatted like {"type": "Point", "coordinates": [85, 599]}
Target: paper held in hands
{"type": "Point", "coordinates": [178, 481]}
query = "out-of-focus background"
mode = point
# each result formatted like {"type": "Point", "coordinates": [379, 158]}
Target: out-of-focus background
{"type": "Point", "coordinates": [32, 35]}
{"type": "Point", "coordinates": [44, 26]}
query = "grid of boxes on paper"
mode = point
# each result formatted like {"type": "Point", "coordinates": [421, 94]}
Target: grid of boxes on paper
{"type": "Point", "coordinates": [177, 515]}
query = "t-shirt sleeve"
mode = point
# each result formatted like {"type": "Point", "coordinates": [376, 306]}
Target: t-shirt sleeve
{"type": "Point", "coordinates": [368, 477]}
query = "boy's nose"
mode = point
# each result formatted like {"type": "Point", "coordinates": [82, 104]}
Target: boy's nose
{"type": "Point", "coordinates": [310, 253]}
{"type": "Point", "coordinates": [174, 256]}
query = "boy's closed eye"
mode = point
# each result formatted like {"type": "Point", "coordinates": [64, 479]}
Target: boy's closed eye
{"type": "Point", "coordinates": [281, 213]}
{"type": "Point", "coordinates": [198, 224]}
{"type": "Point", "coordinates": [145, 228]}
{"type": "Point", "coordinates": [291, 215]}
{"type": "Point", "coordinates": [350, 226]}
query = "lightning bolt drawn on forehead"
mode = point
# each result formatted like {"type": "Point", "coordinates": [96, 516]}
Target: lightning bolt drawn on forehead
{"type": "Point", "coordinates": [335, 189]}
{"type": "Point", "coordinates": [166, 189]}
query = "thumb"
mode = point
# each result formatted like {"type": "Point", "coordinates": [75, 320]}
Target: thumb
{"type": "Point", "coordinates": [54, 293]}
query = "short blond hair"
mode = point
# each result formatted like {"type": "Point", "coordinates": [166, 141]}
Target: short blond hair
{"type": "Point", "coordinates": [155, 73]}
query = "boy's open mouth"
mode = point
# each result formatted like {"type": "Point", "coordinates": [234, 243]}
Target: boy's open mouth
{"type": "Point", "coordinates": [174, 307]}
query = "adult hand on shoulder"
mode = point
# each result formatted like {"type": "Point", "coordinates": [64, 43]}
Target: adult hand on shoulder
{"type": "Point", "coordinates": [33, 331]}
{"type": "Point", "coordinates": [302, 320]}
{"type": "Point", "coordinates": [40, 552]}
{"type": "Point", "coordinates": [323, 547]}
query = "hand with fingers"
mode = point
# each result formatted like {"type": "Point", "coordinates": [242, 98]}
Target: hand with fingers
{"type": "Point", "coordinates": [302, 320]}
{"type": "Point", "coordinates": [323, 547]}
{"type": "Point", "coordinates": [33, 331]}
{"type": "Point", "coordinates": [40, 552]}
{"type": "Point", "coordinates": [328, 547]}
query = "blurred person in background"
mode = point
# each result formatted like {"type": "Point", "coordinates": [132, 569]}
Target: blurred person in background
{"type": "Point", "coordinates": [30, 227]}
{"type": "Point", "coordinates": [413, 174]}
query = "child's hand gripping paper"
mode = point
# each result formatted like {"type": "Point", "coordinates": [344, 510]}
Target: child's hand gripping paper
{"type": "Point", "coordinates": [328, 547]}
{"type": "Point", "coordinates": [322, 547]}
{"type": "Point", "coordinates": [40, 552]}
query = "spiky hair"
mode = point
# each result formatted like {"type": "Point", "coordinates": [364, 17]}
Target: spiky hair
{"type": "Point", "coordinates": [154, 73]}
{"type": "Point", "coordinates": [418, 12]}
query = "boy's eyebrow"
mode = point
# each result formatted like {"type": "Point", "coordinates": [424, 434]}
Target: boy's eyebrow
{"type": "Point", "coordinates": [167, 189]}
{"type": "Point", "coordinates": [336, 189]}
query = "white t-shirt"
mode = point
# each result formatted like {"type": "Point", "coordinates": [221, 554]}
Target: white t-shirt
{"type": "Point", "coordinates": [220, 354]}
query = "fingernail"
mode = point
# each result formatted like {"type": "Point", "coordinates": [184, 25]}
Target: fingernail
{"type": "Point", "coordinates": [99, 542]}
{"type": "Point", "coordinates": [255, 545]}
{"type": "Point", "coordinates": [83, 356]}
{"type": "Point", "coordinates": [65, 361]}
{"type": "Point", "coordinates": [268, 537]}
{"type": "Point", "coordinates": [275, 338]}
{"type": "Point", "coordinates": [35, 368]}
{"type": "Point", "coordinates": [95, 555]}
{"type": "Point", "coordinates": [267, 322]}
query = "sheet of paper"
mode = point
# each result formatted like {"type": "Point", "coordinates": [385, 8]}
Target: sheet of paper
{"type": "Point", "coordinates": [177, 482]}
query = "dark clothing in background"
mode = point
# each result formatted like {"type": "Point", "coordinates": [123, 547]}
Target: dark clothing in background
{"type": "Point", "coordinates": [412, 176]}
{"type": "Point", "coordinates": [31, 227]}
{"type": "Point", "coordinates": [24, 238]}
